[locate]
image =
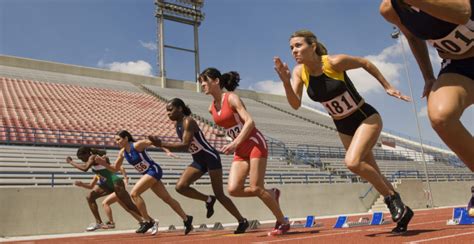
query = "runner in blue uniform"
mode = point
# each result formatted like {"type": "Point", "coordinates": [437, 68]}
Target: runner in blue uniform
{"type": "Point", "coordinates": [135, 153]}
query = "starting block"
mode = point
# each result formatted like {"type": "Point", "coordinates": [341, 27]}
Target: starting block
{"type": "Point", "coordinates": [460, 217]}
{"type": "Point", "coordinates": [310, 222]}
{"type": "Point", "coordinates": [202, 227]}
{"type": "Point", "coordinates": [218, 226]}
{"type": "Point", "coordinates": [377, 219]}
{"type": "Point", "coordinates": [253, 224]}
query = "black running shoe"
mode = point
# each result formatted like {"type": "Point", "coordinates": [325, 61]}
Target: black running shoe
{"type": "Point", "coordinates": [402, 225]}
{"type": "Point", "coordinates": [145, 226]}
{"type": "Point", "coordinates": [396, 206]}
{"type": "Point", "coordinates": [188, 224]}
{"type": "Point", "coordinates": [140, 227]}
{"type": "Point", "coordinates": [210, 207]}
{"type": "Point", "coordinates": [243, 225]}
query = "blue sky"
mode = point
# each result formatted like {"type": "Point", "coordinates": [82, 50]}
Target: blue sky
{"type": "Point", "coordinates": [239, 35]}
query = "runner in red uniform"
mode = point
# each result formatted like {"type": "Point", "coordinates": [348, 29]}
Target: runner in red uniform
{"type": "Point", "coordinates": [248, 144]}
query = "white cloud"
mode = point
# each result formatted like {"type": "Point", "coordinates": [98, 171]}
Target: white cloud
{"type": "Point", "coordinates": [423, 112]}
{"type": "Point", "coordinates": [366, 83]}
{"type": "Point", "coordinates": [148, 45]}
{"type": "Point", "coordinates": [269, 86]}
{"type": "Point", "coordinates": [139, 67]}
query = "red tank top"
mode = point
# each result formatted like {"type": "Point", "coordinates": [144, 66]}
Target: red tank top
{"type": "Point", "coordinates": [228, 118]}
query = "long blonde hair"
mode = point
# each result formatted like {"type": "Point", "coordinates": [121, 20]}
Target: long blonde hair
{"type": "Point", "coordinates": [310, 38]}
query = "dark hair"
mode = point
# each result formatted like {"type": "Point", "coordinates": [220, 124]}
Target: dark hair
{"type": "Point", "coordinates": [124, 133]}
{"type": "Point", "coordinates": [177, 102]}
{"type": "Point", "coordinates": [229, 80]}
{"type": "Point", "coordinates": [310, 38]}
{"type": "Point", "coordinates": [85, 150]}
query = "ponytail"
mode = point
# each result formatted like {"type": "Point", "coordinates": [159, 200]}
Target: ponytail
{"type": "Point", "coordinates": [229, 81]}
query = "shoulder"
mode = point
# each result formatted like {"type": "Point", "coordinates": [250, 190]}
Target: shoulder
{"type": "Point", "coordinates": [189, 122]}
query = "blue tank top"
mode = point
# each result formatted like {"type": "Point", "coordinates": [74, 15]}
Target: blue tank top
{"type": "Point", "coordinates": [199, 144]}
{"type": "Point", "coordinates": [140, 160]}
{"type": "Point", "coordinates": [446, 37]}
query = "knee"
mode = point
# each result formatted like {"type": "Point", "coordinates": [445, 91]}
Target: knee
{"type": "Point", "coordinates": [91, 197]}
{"type": "Point", "coordinates": [353, 164]}
{"type": "Point", "coordinates": [181, 188]}
{"type": "Point", "coordinates": [134, 195]}
{"type": "Point", "coordinates": [105, 204]}
{"type": "Point", "coordinates": [440, 117]}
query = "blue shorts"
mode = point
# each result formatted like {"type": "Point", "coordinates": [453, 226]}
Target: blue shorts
{"type": "Point", "coordinates": [205, 161]}
{"type": "Point", "coordinates": [155, 171]}
{"type": "Point", "coordinates": [463, 67]}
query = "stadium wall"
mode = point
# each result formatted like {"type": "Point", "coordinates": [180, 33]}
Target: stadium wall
{"type": "Point", "coordinates": [35, 211]}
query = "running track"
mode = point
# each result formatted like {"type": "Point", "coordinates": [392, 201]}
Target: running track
{"type": "Point", "coordinates": [428, 226]}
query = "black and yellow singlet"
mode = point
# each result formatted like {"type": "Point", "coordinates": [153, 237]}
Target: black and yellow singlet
{"type": "Point", "coordinates": [333, 89]}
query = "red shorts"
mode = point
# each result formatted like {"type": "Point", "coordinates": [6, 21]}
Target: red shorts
{"type": "Point", "coordinates": [254, 147]}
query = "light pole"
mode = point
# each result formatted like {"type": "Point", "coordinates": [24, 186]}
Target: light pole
{"type": "Point", "coordinates": [181, 11]}
{"type": "Point", "coordinates": [396, 34]}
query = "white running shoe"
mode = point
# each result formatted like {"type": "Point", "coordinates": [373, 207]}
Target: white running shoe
{"type": "Point", "coordinates": [154, 229]}
{"type": "Point", "coordinates": [94, 226]}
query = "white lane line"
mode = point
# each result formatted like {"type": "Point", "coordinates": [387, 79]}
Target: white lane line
{"type": "Point", "coordinates": [439, 238]}
{"type": "Point", "coordinates": [307, 237]}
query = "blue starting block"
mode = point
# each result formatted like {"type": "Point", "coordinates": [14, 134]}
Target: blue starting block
{"type": "Point", "coordinates": [460, 217]}
{"type": "Point", "coordinates": [341, 222]}
{"type": "Point", "coordinates": [377, 219]}
{"type": "Point", "coordinates": [310, 222]}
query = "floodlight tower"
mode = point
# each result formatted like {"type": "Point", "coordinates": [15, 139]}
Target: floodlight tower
{"type": "Point", "coordinates": [181, 11]}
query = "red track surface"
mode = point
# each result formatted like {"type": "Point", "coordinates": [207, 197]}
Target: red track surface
{"type": "Point", "coordinates": [426, 227]}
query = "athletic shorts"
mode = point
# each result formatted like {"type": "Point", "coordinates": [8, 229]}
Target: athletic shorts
{"type": "Point", "coordinates": [205, 161]}
{"type": "Point", "coordinates": [154, 171]}
{"type": "Point", "coordinates": [254, 147]}
{"type": "Point", "coordinates": [349, 124]}
{"type": "Point", "coordinates": [463, 67]}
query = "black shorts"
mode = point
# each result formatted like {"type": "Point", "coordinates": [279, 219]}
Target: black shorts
{"type": "Point", "coordinates": [205, 161]}
{"type": "Point", "coordinates": [349, 124]}
{"type": "Point", "coordinates": [463, 67]}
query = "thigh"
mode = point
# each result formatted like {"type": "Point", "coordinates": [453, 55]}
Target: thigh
{"type": "Point", "coordinates": [452, 94]}
{"type": "Point", "coordinates": [238, 173]}
{"type": "Point", "coordinates": [189, 176]}
{"type": "Point", "coordinates": [144, 184]}
{"type": "Point", "coordinates": [258, 166]}
{"type": "Point", "coordinates": [365, 137]}
{"type": "Point", "coordinates": [216, 180]}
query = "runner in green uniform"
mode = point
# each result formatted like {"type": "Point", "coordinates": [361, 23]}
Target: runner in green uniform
{"type": "Point", "coordinates": [112, 182]}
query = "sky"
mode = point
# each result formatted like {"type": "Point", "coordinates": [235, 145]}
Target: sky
{"type": "Point", "coordinates": [240, 35]}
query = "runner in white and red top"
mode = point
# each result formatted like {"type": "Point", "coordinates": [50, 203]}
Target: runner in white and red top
{"type": "Point", "coordinates": [248, 144]}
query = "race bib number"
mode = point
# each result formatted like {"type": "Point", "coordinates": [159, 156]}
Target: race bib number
{"type": "Point", "coordinates": [340, 105]}
{"type": "Point", "coordinates": [459, 41]}
{"type": "Point", "coordinates": [233, 132]}
{"type": "Point", "coordinates": [194, 147]}
{"type": "Point", "coordinates": [141, 167]}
